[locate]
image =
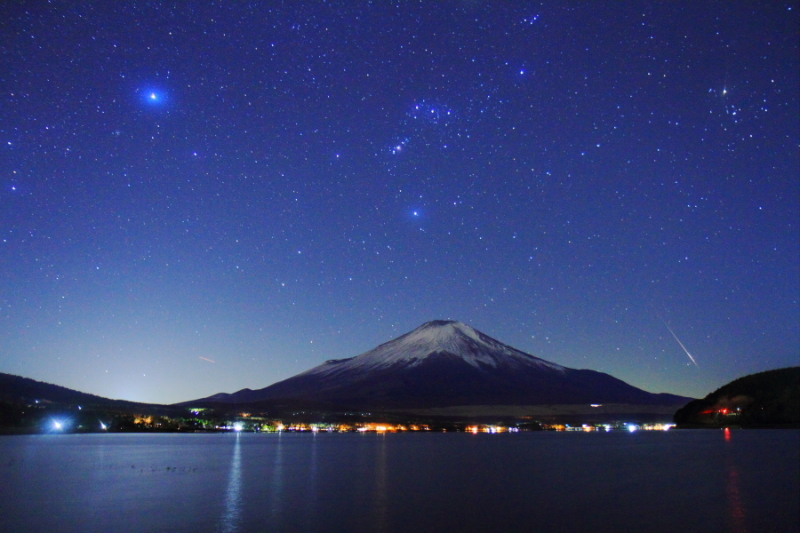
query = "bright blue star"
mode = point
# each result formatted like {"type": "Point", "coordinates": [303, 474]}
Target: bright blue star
{"type": "Point", "coordinates": [153, 97]}
{"type": "Point", "coordinates": [415, 214]}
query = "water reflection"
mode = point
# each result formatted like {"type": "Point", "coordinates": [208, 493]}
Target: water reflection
{"type": "Point", "coordinates": [381, 497]}
{"type": "Point", "coordinates": [233, 499]}
{"type": "Point", "coordinates": [733, 491]}
{"type": "Point", "coordinates": [736, 481]}
{"type": "Point", "coordinates": [311, 501]}
{"type": "Point", "coordinates": [277, 481]}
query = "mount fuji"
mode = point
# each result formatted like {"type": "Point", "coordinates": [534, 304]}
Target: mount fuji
{"type": "Point", "coordinates": [445, 364]}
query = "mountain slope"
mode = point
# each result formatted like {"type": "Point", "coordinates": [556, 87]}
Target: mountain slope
{"type": "Point", "coordinates": [17, 390]}
{"type": "Point", "coordinates": [445, 363]}
{"type": "Point", "coordinates": [770, 398]}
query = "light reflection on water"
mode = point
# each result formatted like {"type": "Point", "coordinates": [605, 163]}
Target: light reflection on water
{"type": "Point", "coordinates": [732, 490]}
{"type": "Point", "coordinates": [312, 484]}
{"type": "Point", "coordinates": [277, 480]}
{"type": "Point", "coordinates": [691, 481]}
{"type": "Point", "coordinates": [381, 505]}
{"type": "Point", "coordinates": [233, 499]}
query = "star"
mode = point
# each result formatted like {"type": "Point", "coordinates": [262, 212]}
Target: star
{"type": "Point", "coordinates": [323, 143]}
{"type": "Point", "coordinates": [153, 97]}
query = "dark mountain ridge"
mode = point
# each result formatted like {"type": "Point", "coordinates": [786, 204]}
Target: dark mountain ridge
{"type": "Point", "coordinates": [444, 364]}
{"type": "Point", "coordinates": [18, 390]}
{"type": "Point", "coordinates": [765, 399]}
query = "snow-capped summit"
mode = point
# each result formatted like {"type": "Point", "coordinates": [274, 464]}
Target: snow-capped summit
{"type": "Point", "coordinates": [445, 363]}
{"type": "Point", "coordinates": [429, 340]}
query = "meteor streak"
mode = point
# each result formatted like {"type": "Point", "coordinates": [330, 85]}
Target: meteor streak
{"type": "Point", "coordinates": [679, 342]}
{"type": "Point", "coordinates": [210, 361]}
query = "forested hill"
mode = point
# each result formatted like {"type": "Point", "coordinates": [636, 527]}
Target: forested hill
{"type": "Point", "coordinates": [17, 390]}
{"type": "Point", "coordinates": [766, 399]}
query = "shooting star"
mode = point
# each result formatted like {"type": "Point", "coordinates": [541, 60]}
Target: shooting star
{"type": "Point", "coordinates": [210, 361]}
{"type": "Point", "coordinates": [679, 342]}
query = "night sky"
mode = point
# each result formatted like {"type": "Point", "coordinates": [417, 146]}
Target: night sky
{"type": "Point", "coordinates": [201, 197]}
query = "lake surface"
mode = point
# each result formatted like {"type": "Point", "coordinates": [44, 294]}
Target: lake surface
{"type": "Point", "coordinates": [704, 481]}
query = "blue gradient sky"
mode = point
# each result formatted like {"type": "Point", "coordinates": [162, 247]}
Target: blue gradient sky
{"type": "Point", "coordinates": [271, 185]}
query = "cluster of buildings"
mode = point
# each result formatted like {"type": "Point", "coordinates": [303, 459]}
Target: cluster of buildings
{"type": "Point", "coordinates": [256, 424]}
{"type": "Point", "coordinates": [626, 426]}
{"type": "Point", "coordinates": [274, 426]}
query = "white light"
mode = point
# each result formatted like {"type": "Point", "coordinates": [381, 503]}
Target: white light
{"type": "Point", "coordinates": [58, 425]}
{"type": "Point", "coordinates": [631, 427]}
{"type": "Point", "coordinates": [238, 426]}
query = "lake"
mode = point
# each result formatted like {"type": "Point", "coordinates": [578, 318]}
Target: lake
{"type": "Point", "coordinates": [693, 480]}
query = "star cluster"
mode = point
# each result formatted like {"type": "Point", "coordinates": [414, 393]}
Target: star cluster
{"type": "Point", "coordinates": [204, 198]}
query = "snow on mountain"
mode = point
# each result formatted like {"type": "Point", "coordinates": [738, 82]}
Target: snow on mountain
{"type": "Point", "coordinates": [445, 363]}
{"type": "Point", "coordinates": [436, 337]}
